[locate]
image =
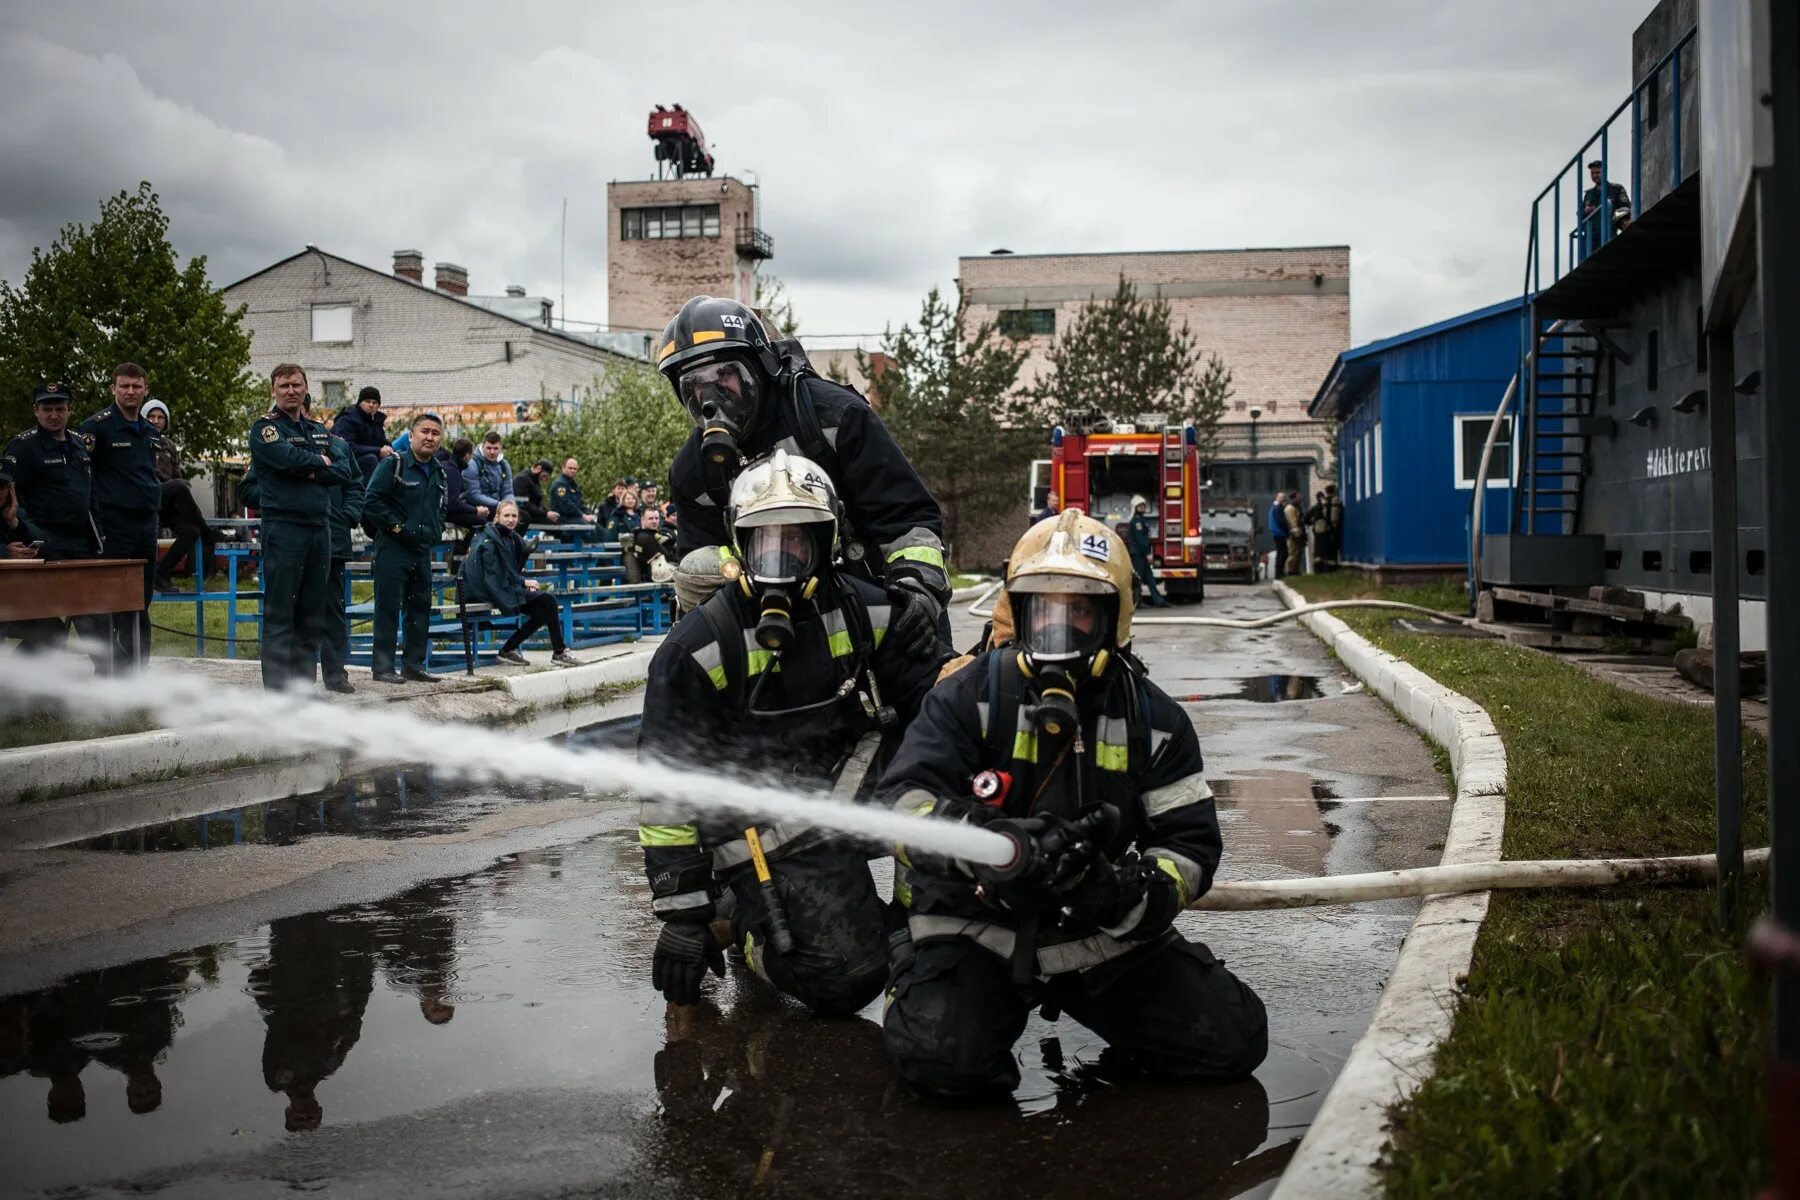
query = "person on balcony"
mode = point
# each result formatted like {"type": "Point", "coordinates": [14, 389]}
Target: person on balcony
{"type": "Point", "coordinates": [1611, 197]}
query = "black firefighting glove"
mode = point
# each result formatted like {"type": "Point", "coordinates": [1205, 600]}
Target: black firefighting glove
{"type": "Point", "coordinates": [913, 627]}
{"type": "Point", "coordinates": [685, 951]}
{"type": "Point", "coordinates": [1109, 897]}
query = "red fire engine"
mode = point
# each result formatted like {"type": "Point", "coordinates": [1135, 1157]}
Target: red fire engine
{"type": "Point", "coordinates": [680, 146]}
{"type": "Point", "coordinates": [1100, 470]}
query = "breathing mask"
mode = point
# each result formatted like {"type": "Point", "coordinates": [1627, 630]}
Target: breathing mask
{"type": "Point", "coordinates": [783, 517]}
{"type": "Point", "coordinates": [1064, 636]}
{"type": "Point", "coordinates": [781, 565]}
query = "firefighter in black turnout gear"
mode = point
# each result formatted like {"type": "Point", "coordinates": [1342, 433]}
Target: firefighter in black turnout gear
{"type": "Point", "coordinates": [1094, 773]}
{"type": "Point", "coordinates": [788, 676]}
{"type": "Point", "coordinates": [749, 396]}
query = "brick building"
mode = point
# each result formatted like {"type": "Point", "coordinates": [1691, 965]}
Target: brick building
{"type": "Point", "coordinates": [1278, 317]}
{"type": "Point", "coordinates": [672, 239]}
{"type": "Point", "coordinates": [422, 345]}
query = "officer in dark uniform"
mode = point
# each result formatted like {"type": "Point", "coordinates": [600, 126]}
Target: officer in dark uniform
{"type": "Point", "coordinates": [20, 539]}
{"type": "Point", "coordinates": [127, 494]}
{"type": "Point", "coordinates": [566, 500]}
{"type": "Point", "coordinates": [788, 676]}
{"type": "Point", "coordinates": [1060, 741]}
{"type": "Point", "coordinates": [51, 471]}
{"type": "Point", "coordinates": [343, 512]}
{"type": "Point", "coordinates": [404, 506]}
{"type": "Point", "coordinates": [296, 474]}
{"type": "Point", "coordinates": [747, 397]}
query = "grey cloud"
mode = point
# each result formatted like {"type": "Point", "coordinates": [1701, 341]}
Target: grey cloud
{"type": "Point", "coordinates": [887, 139]}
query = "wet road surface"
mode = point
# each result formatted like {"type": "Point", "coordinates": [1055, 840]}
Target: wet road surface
{"type": "Point", "coordinates": [494, 1033]}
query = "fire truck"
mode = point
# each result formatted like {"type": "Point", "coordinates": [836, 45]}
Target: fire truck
{"type": "Point", "coordinates": [1100, 468]}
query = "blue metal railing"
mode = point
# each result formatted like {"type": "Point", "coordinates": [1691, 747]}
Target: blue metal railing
{"type": "Point", "coordinates": [1588, 232]}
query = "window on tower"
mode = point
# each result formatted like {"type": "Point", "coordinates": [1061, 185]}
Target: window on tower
{"type": "Point", "coordinates": [1028, 322]}
{"type": "Point", "coordinates": [673, 221]}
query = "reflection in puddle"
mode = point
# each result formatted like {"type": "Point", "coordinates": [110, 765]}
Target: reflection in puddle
{"type": "Point", "coordinates": [1259, 820]}
{"type": "Point", "coordinates": [470, 1030]}
{"type": "Point", "coordinates": [1258, 689]}
{"type": "Point", "coordinates": [391, 804]}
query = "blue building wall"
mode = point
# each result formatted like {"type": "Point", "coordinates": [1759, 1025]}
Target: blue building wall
{"type": "Point", "coordinates": [1399, 442]}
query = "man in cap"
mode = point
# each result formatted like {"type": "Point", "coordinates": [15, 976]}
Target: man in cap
{"type": "Point", "coordinates": [361, 426]}
{"type": "Point", "coordinates": [52, 483]}
{"type": "Point", "coordinates": [127, 494]}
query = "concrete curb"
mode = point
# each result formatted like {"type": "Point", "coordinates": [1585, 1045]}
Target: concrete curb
{"type": "Point", "coordinates": [554, 687]}
{"type": "Point", "coordinates": [1418, 1004]}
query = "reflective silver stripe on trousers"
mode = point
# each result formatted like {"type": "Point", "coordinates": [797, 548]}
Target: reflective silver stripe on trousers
{"type": "Point", "coordinates": [1191, 874]}
{"type": "Point", "coordinates": [856, 768]}
{"type": "Point", "coordinates": [1057, 959]}
{"type": "Point", "coordinates": [681, 902]}
{"type": "Point", "coordinates": [1188, 790]}
{"type": "Point", "coordinates": [736, 852]}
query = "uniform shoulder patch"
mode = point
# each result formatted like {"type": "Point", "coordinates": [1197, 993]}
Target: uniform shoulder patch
{"type": "Point", "coordinates": [88, 440]}
{"type": "Point", "coordinates": [270, 433]}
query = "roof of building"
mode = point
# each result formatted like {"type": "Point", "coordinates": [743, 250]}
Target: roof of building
{"type": "Point", "coordinates": [504, 311]}
{"type": "Point", "coordinates": [1149, 253]}
{"type": "Point", "coordinates": [1356, 366]}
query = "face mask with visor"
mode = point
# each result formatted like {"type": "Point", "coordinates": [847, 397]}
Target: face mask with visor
{"type": "Point", "coordinates": [1063, 635]}
{"type": "Point", "coordinates": [723, 393]}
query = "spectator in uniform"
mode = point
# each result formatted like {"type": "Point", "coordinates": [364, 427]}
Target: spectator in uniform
{"type": "Point", "coordinates": [528, 490]}
{"type": "Point", "coordinates": [488, 479]}
{"type": "Point", "coordinates": [1603, 203]}
{"type": "Point", "coordinates": [179, 511]}
{"type": "Point", "coordinates": [648, 544]}
{"type": "Point", "coordinates": [610, 505]}
{"type": "Point", "coordinates": [295, 477]}
{"type": "Point", "coordinates": [566, 498]}
{"type": "Point", "coordinates": [404, 506]}
{"type": "Point", "coordinates": [494, 573]}
{"type": "Point", "coordinates": [361, 427]}
{"type": "Point", "coordinates": [127, 495]}
{"type": "Point", "coordinates": [53, 479]}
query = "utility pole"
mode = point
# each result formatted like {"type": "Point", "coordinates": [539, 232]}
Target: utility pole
{"type": "Point", "coordinates": [562, 267]}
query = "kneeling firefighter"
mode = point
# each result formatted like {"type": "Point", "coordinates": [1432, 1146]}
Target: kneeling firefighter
{"type": "Point", "coordinates": [749, 396]}
{"type": "Point", "coordinates": [1060, 742]}
{"type": "Point", "coordinates": [787, 676]}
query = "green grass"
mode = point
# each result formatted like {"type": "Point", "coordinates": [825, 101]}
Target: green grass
{"type": "Point", "coordinates": [962, 581]}
{"type": "Point", "coordinates": [1610, 1042]}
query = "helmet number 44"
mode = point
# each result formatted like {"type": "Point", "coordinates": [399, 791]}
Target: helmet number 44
{"type": "Point", "coordinates": [1095, 546]}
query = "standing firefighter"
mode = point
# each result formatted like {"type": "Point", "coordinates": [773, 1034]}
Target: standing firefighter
{"type": "Point", "coordinates": [1059, 742]}
{"type": "Point", "coordinates": [747, 398]}
{"type": "Point", "coordinates": [788, 676]}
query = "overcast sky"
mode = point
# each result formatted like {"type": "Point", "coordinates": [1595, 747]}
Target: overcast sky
{"type": "Point", "coordinates": [888, 139]}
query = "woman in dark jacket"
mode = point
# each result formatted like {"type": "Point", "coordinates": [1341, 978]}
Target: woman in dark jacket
{"type": "Point", "coordinates": [179, 512]}
{"type": "Point", "coordinates": [494, 573]}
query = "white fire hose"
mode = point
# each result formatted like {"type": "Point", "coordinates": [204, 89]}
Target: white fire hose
{"type": "Point", "coordinates": [1468, 877]}
{"type": "Point", "coordinates": [975, 610]}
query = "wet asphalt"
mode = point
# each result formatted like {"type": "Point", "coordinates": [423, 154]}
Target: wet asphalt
{"type": "Point", "coordinates": [470, 1013]}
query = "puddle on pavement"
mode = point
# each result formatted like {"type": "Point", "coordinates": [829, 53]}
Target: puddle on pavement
{"type": "Point", "coordinates": [498, 1031]}
{"type": "Point", "coordinates": [1258, 689]}
{"type": "Point", "coordinates": [411, 802]}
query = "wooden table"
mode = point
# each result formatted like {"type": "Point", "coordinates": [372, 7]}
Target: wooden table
{"type": "Point", "coordinates": [82, 587]}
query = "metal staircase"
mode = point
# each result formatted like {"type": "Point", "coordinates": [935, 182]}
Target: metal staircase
{"type": "Point", "coordinates": [1558, 424]}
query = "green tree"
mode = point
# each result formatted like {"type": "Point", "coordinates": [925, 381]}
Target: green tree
{"type": "Point", "coordinates": [943, 391]}
{"type": "Point", "coordinates": [114, 292]}
{"type": "Point", "coordinates": [772, 301]}
{"type": "Point", "coordinates": [1124, 355]}
{"type": "Point", "coordinates": [631, 425]}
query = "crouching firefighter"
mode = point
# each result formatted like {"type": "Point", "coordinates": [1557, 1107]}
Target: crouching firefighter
{"type": "Point", "coordinates": [1059, 742]}
{"type": "Point", "coordinates": [748, 397]}
{"type": "Point", "coordinates": [788, 676]}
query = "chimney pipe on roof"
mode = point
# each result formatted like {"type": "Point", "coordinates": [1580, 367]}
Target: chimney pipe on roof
{"type": "Point", "coordinates": [515, 291]}
{"type": "Point", "coordinates": [410, 264]}
{"type": "Point", "coordinates": [453, 278]}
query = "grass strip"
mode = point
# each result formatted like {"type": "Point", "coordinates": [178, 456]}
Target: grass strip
{"type": "Point", "coordinates": [1609, 1042]}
